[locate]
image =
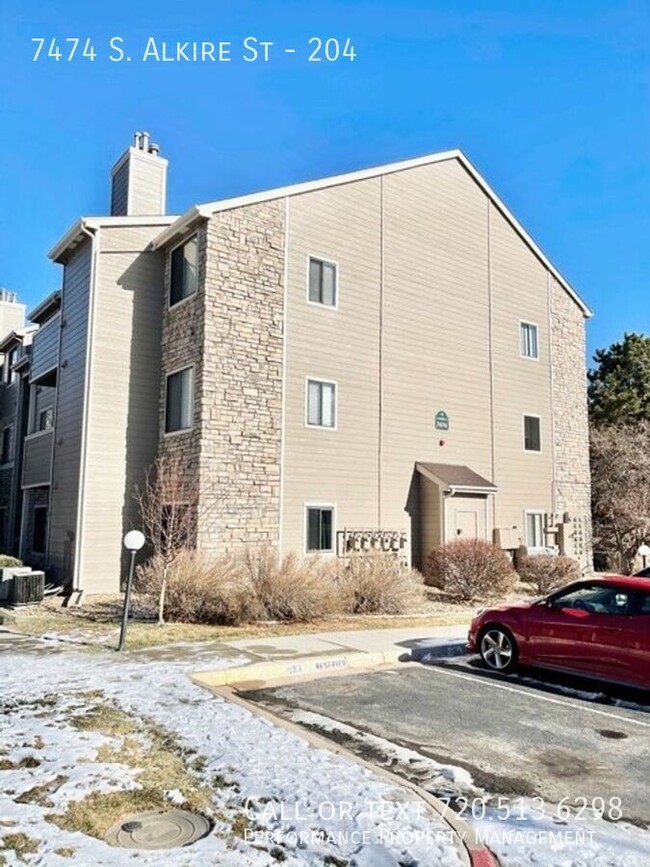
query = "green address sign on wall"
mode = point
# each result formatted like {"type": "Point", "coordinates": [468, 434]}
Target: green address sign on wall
{"type": "Point", "coordinates": [441, 421]}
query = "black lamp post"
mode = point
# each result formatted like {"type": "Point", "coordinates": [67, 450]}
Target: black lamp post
{"type": "Point", "coordinates": [133, 542]}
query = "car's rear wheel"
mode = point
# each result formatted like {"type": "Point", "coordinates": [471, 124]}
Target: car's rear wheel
{"type": "Point", "coordinates": [498, 649]}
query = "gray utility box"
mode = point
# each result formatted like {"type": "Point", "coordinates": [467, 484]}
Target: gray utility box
{"type": "Point", "coordinates": [19, 585]}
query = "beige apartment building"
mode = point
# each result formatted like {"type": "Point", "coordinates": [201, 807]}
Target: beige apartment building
{"type": "Point", "coordinates": [383, 358]}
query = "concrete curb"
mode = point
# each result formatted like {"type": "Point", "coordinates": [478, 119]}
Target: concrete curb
{"type": "Point", "coordinates": [300, 667]}
{"type": "Point", "coordinates": [444, 650]}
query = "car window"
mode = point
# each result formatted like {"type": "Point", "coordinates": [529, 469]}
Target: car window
{"type": "Point", "coordinates": [599, 599]}
{"type": "Point", "coordinates": [644, 607]}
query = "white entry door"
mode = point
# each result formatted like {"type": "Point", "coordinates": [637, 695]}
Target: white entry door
{"type": "Point", "coordinates": [467, 524]}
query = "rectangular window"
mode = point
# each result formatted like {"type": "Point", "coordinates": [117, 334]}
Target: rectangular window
{"type": "Point", "coordinates": [184, 272]}
{"type": "Point", "coordinates": [532, 434]}
{"type": "Point", "coordinates": [39, 530]}
{"type": "Point", "coordinates": [179, 400]}
{"type": "Point", "coordinates": [7, 440]}
{"type": "Point", "coordinates": [528, 337]}
{"type": "Point", "coordinates": [535, 530]}
{"type": "Point", "coordinates": [46, 419]}
{"type": "Point", "coordinates": [321, 403]}
{"type": "Point", "coordinates": [320, 533]}
{"type": "Point", "coordinates": [322, 282]}
{"type": "Point", "coordinates": [12, 357]}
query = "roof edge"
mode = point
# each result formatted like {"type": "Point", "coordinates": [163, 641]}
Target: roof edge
{"type": "Point", "coordinates": [76, 232]}
{"type": "Point", "coordinates": [206, 210]}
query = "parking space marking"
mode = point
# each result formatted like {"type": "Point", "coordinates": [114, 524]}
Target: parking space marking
{"type": "Point", "coordinates": [528, 691]}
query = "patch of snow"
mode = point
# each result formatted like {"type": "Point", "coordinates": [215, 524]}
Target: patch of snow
{"type": "Point", "coordinates": [308, 802]}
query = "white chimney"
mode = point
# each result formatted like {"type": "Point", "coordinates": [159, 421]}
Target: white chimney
{"type": "Point", "coordinates": [139, 180]}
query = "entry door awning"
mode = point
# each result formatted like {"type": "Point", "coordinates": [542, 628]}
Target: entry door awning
{"type": "Point", "coordinates": [456, 479]}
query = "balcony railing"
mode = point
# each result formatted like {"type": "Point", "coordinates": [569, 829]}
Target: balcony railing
{"type": "Point", "coordinates": [45, 349]}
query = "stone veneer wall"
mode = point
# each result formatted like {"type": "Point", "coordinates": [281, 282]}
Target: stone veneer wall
{"type": "Point", "coordinates": [240, 401]}
{"type": "Point", "coordinates": [182, 342]}
{"type": "Point", "coordinates": [572, 474]}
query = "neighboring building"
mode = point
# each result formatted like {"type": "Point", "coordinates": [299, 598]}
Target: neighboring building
{"type": "Point", "coordinates": [383, 357]}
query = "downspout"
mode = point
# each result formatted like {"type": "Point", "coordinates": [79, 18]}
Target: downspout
{"type": "Point", "coordinates": [81, 494]}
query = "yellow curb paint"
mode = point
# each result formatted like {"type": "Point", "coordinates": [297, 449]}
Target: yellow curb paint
{"type": "Point", "coordinates": [297, 667]}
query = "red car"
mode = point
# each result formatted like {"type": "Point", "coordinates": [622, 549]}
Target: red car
{"type": "Point", "coordinates": [597, 627]}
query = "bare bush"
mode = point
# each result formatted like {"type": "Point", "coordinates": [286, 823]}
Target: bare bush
{"type": "Point", "coordinates": [547, 572]}
{"type": "Point", "coordinates": [376, 583]}
{"type": "Point", "coordinates": [620, 472]}
{"type": "Point", "coordinates": [292, 589]}
{"type": "Point", "coordinates": [468, 569]}
{"type": "Point", "coordinates": [200, 589]}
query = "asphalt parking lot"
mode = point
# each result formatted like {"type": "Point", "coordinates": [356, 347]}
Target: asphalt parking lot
{"type": "Point", "coordinates": [526, 736]}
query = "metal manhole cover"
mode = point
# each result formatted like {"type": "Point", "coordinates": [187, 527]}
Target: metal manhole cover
{"type": "Point", "coordinates": [158, 830]}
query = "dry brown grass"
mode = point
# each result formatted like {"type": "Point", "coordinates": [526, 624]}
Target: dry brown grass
{"type": "Point", "coordinates": [20, 844]}
{"type": "Point", "coordinates": [159, 761]}
{"type": "Point", "coordinates": [468, 569]}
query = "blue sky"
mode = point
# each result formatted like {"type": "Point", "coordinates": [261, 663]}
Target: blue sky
{"type": "Point", "coordinates": [550, 100]}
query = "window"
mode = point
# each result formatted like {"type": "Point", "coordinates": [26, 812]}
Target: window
{"type": "Point", "coordinates": [183, 271]}
{"type": "Point", "coordinates": [12, 357]}
{"type": "Point", "coordinates": [322, 282]}
{"type": "Point", "coordinates": [532, 434]}
{"type": "Point", "coordinates": [179, 400]}
{"type": "Point", "coordinates": [528, 340]}
{"type": "Point", "coordinates": [39, 530]}
{"type": "Point", "coordinates": [7, 440]}
{"type": "Point", "coordinates": [535, 530]}
{"type": "Point", "coordinates": [321, 403]}
{"type": "Point", "coordinates": [46, 419]}
{"type": "Point", "coordinates": [320, 520]}
{"type": "Point", "coordinates": [595, 598]}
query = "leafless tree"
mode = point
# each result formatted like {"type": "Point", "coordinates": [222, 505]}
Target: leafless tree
{"type": "Point", "coordinates": [620, 468]}
{"type": "Point", "coordinates": [171, 504]}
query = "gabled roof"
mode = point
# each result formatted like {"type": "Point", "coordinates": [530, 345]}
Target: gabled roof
{"type": "Point", "coordinates": [46, 309]}
{"type": "Point", "coordinates": [456, 478]}
{"type": "Point", "coordinates": [79, 231]}
{"type": "Point", "coordinates": [16, 337]}
{"type": "Point", "coordinates": [205, 211]}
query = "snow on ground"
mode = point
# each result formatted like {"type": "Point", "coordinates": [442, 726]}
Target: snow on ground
{"type": "Point", "coordinates": [314, 803]}
{"type": "Point", "coordinates": [520, 833]}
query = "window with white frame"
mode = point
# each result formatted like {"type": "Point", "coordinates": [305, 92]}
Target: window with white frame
{"type": "Point", "coordinates": [529, 343]}
{"type": "Point", "coordinates": [535, 529]}
{"type": "Point", "coordinates": [532, 433]}
{"type": "Point", "coordinates": [320, 529]}
{"type": "Point", "coordinates": [184, 271]}
{"type": "Point", "coordinates": [321, 403]}
{"type": "Point", "coordinates": [7, 440]}
{"type": "Point", "coordinates": [179, 400]}
{"type": "Point", "coordinates": [322, 282]}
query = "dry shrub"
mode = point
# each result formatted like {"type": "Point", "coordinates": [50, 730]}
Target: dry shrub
{"type": "Point", "coordinates": [468, 569]}
{"type": "Point", "coordinates": [241, 588]}
{"type": "Point", "coordinates": [200, 589]}
{"type": "Point", "coordinates": [376, 583]}
{"type": "Point", "coordinates": [294, 589]}
{"type": "Point", "coordinates": [547, 572]}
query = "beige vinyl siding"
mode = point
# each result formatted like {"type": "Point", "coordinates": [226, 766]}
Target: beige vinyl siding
{"type": "Point", "coordinates": [147, 186]}
{"type": "Point", "coordinates": [436, 328]}
{"type": "Point", "coordinates": [124, 395]}
{"type": "Point", "coordinates": [424, 252]}
{"type": "Point", "coordinates": [72, 372]}
{"type": "Point", "coordinates": [521, 386]}
{"type": "Point", "coordinates": [427, 532]}
{"type": "Point", "coordinates": [45, 349]}
{"type": "Point", "coordinates": [339, 466]}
